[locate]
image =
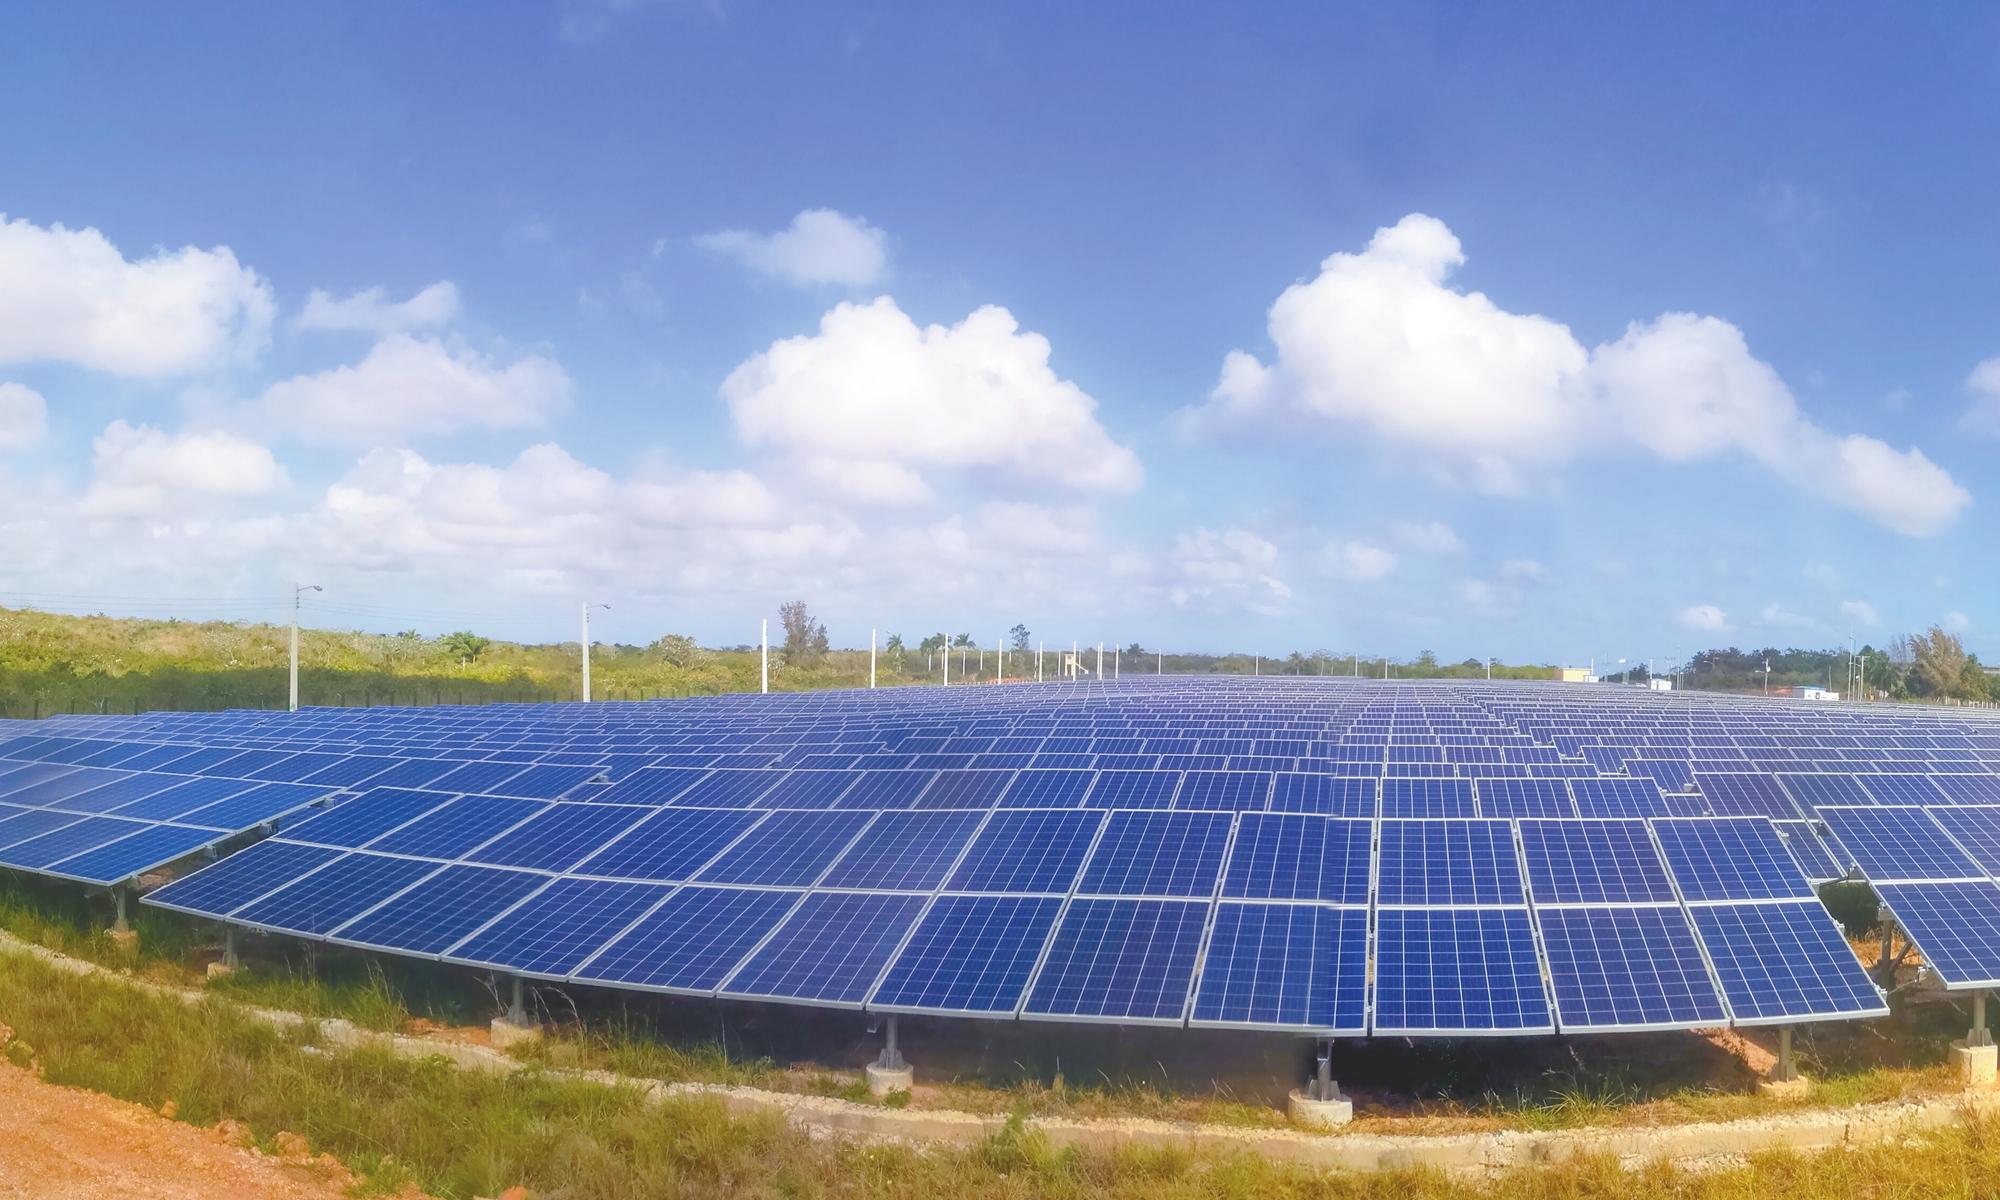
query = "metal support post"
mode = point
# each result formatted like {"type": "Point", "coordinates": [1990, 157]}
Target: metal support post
{"type": "Point", "coordinates": [1884, 963]}
{"type": "Point", "coordinates": [1979, 1035]}
{"type": "Point", "coordinates": [1786, 1070]}
{"type": "Point", "coordinates": [118, 895]}
{"type": "Point", "coordinates": [1323, 1086]}
{"type": "Point", "coordinates": [517, 1013]}
{"type": "Point", "coordinates": [229, 958]}
{"type": "Point", "coordinates": [892, 1058]}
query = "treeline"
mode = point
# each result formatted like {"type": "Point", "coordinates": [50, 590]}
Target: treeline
{"type": "Point", "coordinates": [1929, 666]}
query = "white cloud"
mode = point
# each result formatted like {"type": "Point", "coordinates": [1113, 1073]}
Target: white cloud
{"type": "Point", "coordinates": [1231, 567]}
{"type": "Point", "coordinates": [1984, 384]}
{"type": "Point", "coordinates": [1861, 612]}
{"type": "Point", "coordinates": [69, 295]}
{"type": "Point", "coordinates": [871, 400]}
{"type": "Point", "coordinates": [1478, 592]}
{"type": "Point", "coordinates": [1378, 340]}
{"type": "Point", "coordinates": [820, 246]}
{"type": "Point", "coordinates": [410, 386]}
{"type": "Point", "coordinates": [1434, 538]}
{"type": "Point", "coordinates": [1957, 622]}
{"type": "Point", "coordinates": [1704, 616]}
{"type": "Point", "coordinates": [370, 312]}
{"type": "Point", "coordinates": [1359, 560]}
{"type": "Point", "coordinates": [24, 416]}
{"type": "Point", "coordinates": [1525, 570]}
{"type": "Point", "coordinates": [145, 472]}
{"type": "Point", "coordinates": [1778, 615]}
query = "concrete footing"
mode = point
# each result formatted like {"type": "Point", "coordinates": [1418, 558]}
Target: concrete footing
{"type": "Point", "coordinates": [1318, 1114]}
{"type": "Point", "coordinates": [883, 1080]}
{"type": "Point", "coordinates": [1976, 1065]}
{"type": "Point", "coordinates": [124, 939]}
{"type": "Point", "coordinates": [505, 1033]}
{"type": "Point", "coordinates": [218, 969]}
{"type": "Point", "coordinates": [1785, 1089]}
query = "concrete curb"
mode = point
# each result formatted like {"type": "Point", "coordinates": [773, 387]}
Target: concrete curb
{"type": "Point", "coordinates": [1691, 1145]}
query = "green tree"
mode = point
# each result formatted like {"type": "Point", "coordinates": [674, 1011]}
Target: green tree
{"type": "Point", "coordinates": [805, 638]}
{"type": "Point", "coordinates": [1021, 641]}
{"type": "Point", "coordinates": [1937, 662]}
{"type": "Point", "coordinates": [463, 646]}
{"type": "Point", "coordinates": [680, 651]}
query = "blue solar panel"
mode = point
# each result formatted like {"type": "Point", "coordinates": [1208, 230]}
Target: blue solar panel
{"type": "Point", "coordinates": [1120, 960]}
{"type": "Point", "coordinates": [1288, 966]}
{"type": "Point", "coordinates": [1036, 850]}
{"type": "Point", "coordinates": [365, 818]}
{"type": "Point", "coordinates": [1745, 794]}
{"type": "Point", "coordinates": [1428, 798]}
{"type": "Point", "coordinates": [435, 914]}
{"type": "Point", "coordinates": [335, 894]}
{"type": "Point", "coordinates": [33, 823]}
{"type": "Point", "coordinates": [225, 886]}
{"type": "Point", "coordinates": [56, 845]}
{"type": "Point", "coordinates": [1969, 789]}
{"type": "Point", "coordinates": [1896, 843]}
{"type": "Point", "coordinates": [185, 797]}
{"type": "Point", "coordinates": [1782, 962]}
{"type": "Point", "coordinates": [1903, 789]}
{"type": "Point", "coordinates": [261, 804]}
{"type": "Point", "coordinates": [1225, 791]}
{"type": "Point", "coordinates": [1458, 970]}
{"type": "Point", "coordinates": [1626, 798]}
{"type": "Point", "coordinates": [1157, 854]}
{"type": "Point", "coordinates": [1729, 858]}
{"type": "Point", "coordinates": [728, 789]}
{"type": "Point", "coordinates": [830, 950]}
{"type": "Point", "coordinates": [1448, 862]}
{"type": "Point", "coordinates": [455, 829]}
{"type": "Point", "coordinates": [905, 851]}
{"type": "Point", "coordinates": [969, 955]}
{"type": "Point", "coordinates": [560, 837]}
{"type": "Point", "coordinates": [652, 785]}
{"type": "Point", "coordinates": [119, 792]}
{"type": "Point", "coordinates": [1291, 856]}
{"type": "Point", "coordinates": [1327, 795]}
{"type": "Point", "coordinates": [692, 942]}
{"type": "Point", "coordinates": [413, 773]}
{"type": "Point", "coordinates": [1956, 924]}
{"type": "Point", "coordinates": [788, 850]}
{"type": "Point", "coordinates": [1047, 789]}
{"type": "Point", "coordinates": [965, 789]}
{"type": "Point", "coordinates": [671, 845]}
{"type": "Point", "coordinates": [1593, 862]}
{"type": "Point", "coordinates": [142, 851]}
{"type": "Point", "coordinates": [1813, 790]}
{"type": "Point", "coordinates": [1627, 968]}
{"type": "Point", "coordinates": [1974, 828]}
{"type": "Point", "coordinates": [546, 782]}
{"type": "Point", "coordinates": [1671, 774]}
{"type": "Point", "coordinates": [348, 771]}
{"type": "Point", "coordinates": [60, 787]}
{"type": "Point", "coordinates": [1814, 854]}
{"type": "Point", "coordinates": [1523, 798]}
{"type": "Point", "coordinates": [885, 790]}
{"type": "Point", "coordinates": [808, 789]}
{"type": "Point", "coordinates": [1134, 789]}
{"type": "Point", "coordinates": [477, 778]}
{"type": "Point", "coordinates": [557, 928]}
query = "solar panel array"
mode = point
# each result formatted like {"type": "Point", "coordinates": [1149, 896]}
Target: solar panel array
{"type": "Point", "coordinates": [1326, 856]}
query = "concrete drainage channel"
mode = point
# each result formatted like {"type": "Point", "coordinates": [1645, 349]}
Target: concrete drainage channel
{"type": "Point", "coordinates": [1691, 1145]}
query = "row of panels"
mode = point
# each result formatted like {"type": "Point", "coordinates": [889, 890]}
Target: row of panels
{"type": "Point", "coordinates": [1255, 919]}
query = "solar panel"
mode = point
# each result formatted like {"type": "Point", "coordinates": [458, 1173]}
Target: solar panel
{"type": "Point", "coordinates": [905, 851]}
{"type": "Point", "coordinates": [1811, 791]}
{"type": "Point", "coordinates": [1134, 789]}
{"type": "Point", "coordinates": [455, 828]}
{"type": "Point", "coordinates": [1890, 843]}
{"type": "Point", "coordinates": [1047, 789]}
{"type": "Point", "coordinates": [1593, 862]}
{"type": "Point", "coordinates": [1225, 791]}
{"type": "Point", "coordinates": [435, 914]}
{"type": "Point", "coordinates": [554, 930]}
{"type": "Point", "coordinates": [1957, 925]}
{"type": "Point", "coordinates": [129, 856]}
{"type": "Point", "coordinates": [1729, 858]}
{"type": "Point", "coordinates": [885, 789]}
{"type": "Point", "coordinates": [690, 943]}
{"type": "Point", "coordinates": [1814, 854]}
{"type": "Point", "coordinates": [829, 950]}
{"type": "Point", "coordinates": [1523, 798]}
{"type": "Point", "coordinates": [1627, 969]}
{"type": "Point", "coordinates": [1745, 794]}
{"type": "Point", "coordinates": [672, 844]}
{"type": "Point", "coordinates": [967, 789]}
{"type": "Point", "coordinates": [1638, 797]}
{"type": "Point", "coordinates": [1290, 856]}
{"type": "Point", "coordinates": [1780, 963]}
{"type": "Point", "coordinates": [1458, 970]}
{"type": "Point", "coordinates": [1129, 961]}
{"type": "Point", "coordinates": [1285, 966]}
{"type": "Point", "coordinates": [1902, 789]}
{"type": "Point", "coordinates": [788, 852]}
{"type": "Point", "coordinates": [1327, 795]}
{"type": "Point", "coordinates": [1157, 854]}
{"type": "Point", "coordinates": [969, 956]}
{"type": "Point", "coordinates": [242, 877]}
{"type": "Point", "coordinates": [335, 894]}
{"type": "Point", "coordinates": [1448, 862]}
{"type": "Point", "coordinates": [1969, 789]}
{"type": "Point", "coordinates": [559, 837]}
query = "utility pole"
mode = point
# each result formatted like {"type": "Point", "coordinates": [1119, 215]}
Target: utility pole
{"type": "Point", "coordinates": [587, 606]}
{"type": "Point", "coordinates": [764, 678]}
{"type": "Point", "coordinates": [1039, 647]}
{"type": "Point", "coordinates": [1000, 660]}
{"type": "Point", "coordinates": [298, 594]}
{"type": "Point", "coordinates": [871, 658]}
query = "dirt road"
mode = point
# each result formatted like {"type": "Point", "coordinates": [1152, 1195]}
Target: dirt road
{"type": "Point", "coordinates": [78, 1145]}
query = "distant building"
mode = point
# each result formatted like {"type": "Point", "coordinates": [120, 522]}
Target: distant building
{"type": "Point", "coordinates": [1813, 692]}
{"type": "Point", "coordinates": [1663, 685]}
{"type": "Point", "coordinates": [1574, 675]}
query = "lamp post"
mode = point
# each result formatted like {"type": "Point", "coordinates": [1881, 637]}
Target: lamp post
{"type": "Point", "coordinates": [298, 595]}
{"type": "Point", "coordinates": [587, 606]}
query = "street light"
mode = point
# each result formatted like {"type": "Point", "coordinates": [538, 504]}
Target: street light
{"type": "Point", "coordinates": [587, 606]}
{"type": "Point", "coordinates": [298, 593]}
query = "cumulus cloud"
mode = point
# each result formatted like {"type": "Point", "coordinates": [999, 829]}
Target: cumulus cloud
{"type": "Point", "coordinates": [371, 312]}
{"type": "Point", "coordinates": [1359, 560]}
{"type": "Point", "coordinates": [1378, 340]}
{"type": "Point", "coordinates": [1226, 568]}
{"type": "Point", "coordinates": [24, 416]}
{"type": "Point", "coordinates": [820, 246]}
{"type": "Point", "coordinates": [1984, 384]}
{"type": "Point", "coordinates": [145, 472]}
{"type": "Point", "coordinates": [871, 401]}
{"type": "Point", "coordinates": [1957, 622]}
{"type": "Point", "coordinates": [1704, 616]}
{"type": "Point", "coordinates": [1861, 612]}
{"type": "Point", "coordinates": [1434, 538]}
{"type": "Point", "coordinates": [417, 386]}
{"type": "Point", "coordinates": [69, 295]}
{"type": "Point", "coordinates": [1523, 570]}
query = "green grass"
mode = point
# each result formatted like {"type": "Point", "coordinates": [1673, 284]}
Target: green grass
{"type": "Point", "coordinates": [461, 1134]}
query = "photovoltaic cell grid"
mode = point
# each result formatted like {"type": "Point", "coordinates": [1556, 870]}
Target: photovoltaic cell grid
{"type": "Point", "coordinates": [993, 938]}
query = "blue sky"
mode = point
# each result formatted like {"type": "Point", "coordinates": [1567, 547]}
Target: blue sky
{"type": "Point", "coordinates": [1550, 334]}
